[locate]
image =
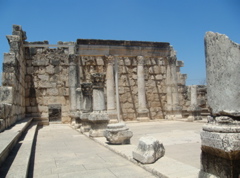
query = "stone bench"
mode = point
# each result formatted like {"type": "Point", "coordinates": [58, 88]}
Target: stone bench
{"type": "Point", "coordinates": [10, 137]}
{"type": "Point", "coordinates": [20, 165]}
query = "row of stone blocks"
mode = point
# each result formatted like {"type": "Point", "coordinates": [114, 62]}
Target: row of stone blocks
{"type": "Point", "coordinates": [24, 154]}
{"type": "Point", "coordinates": [9, 138]}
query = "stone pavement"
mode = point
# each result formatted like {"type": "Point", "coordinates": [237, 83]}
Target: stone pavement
{"type": "Point", "coordinates": [182, 147]}
{"type": "Point", "coordinates": [64, 152]}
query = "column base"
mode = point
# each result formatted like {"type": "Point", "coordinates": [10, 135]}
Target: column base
{"type": "Point", "coordinates": [118, 134]}
{"type": "Point", "coordinates": [215, 166]}
{"type": "Point", "coordinates": [143, 119]}
{"type": "Point", "coordinates": [220, 148]}
{"type": "Point", "coordinates": [194, 115]}
{"type": "Point", "coordinates": [143, 115]}
{"type": "Point", "coordinates": [86, 125]}
{"type": "Point", "coordinates": [112, 114]}
{"type": "Point", "coordinates": [99, 121]}
{"type": "Point", "coordinates": [173, 115]}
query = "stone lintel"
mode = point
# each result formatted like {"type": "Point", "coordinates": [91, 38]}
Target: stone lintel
{"type": "Point", "coordinates": [123, 51]}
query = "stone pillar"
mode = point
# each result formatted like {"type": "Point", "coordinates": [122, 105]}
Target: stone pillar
{"type": "Point", "coordinates": [72, 79]}
{"type": "Point", "coordinates": [98, 80]}
{"type": "Point", "coordinates": [142, 104]}
{"type": "Point", "coordinates": [111, 106]}
{"type": "Point", "coordinates": [194, 110]}
{"type": "Point", "coordinates": [99, 117]}
{"type": "Point", "coordinates": [86, 89]}
{"type": "Point", "coordinates": [87, 97]}
{"type": "Point", "coordinates": [173, 107]}
{"type": "Point", "coordinates": [221, 135]}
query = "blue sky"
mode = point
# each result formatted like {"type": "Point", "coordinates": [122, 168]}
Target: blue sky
{"type": "Point", "coordinates": [183, 23]}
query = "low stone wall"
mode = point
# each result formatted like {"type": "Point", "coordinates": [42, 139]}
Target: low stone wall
{"type": "Point", "coordinates": [12, 93]}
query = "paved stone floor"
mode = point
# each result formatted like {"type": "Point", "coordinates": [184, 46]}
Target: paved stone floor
{"type": "Point", "coordinates": [181, 141]}
{"type": "Point", "coordinates": [63, 152]}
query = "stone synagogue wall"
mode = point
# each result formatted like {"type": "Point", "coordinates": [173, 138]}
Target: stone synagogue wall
{"type": "Point", "coordinates": [43, 81]}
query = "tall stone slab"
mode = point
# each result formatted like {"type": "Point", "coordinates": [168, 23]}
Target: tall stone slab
{"type": "Point", "coordinates": [223, 63]}
{"type": "Point", "coordinates": [221, 135]}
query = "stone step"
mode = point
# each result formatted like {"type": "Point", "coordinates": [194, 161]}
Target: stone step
{"type": "Point", "coordinates": [20, 165]}
{"type": "Point", "coordinates": [9, 138]}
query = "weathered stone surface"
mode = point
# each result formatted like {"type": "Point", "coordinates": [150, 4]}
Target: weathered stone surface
{"type": "Point", "coordinates": [6, 95]}
{"type": "Point", "coordinates": [218, 167]}
{"type": "Point", "coordinates": [99, 121]}
{"type": "Point", "coordinates": [220, 137]}
{"type": "Point", "coordinates": [118, 133]}
{"type": "Point", "coordinates": [225, 145]}
{"type": "Point", "coordinates": [5, 110]}
{"type": "Point", "coordinates": [222, 62]}
{"type": "Point", "coordinates": [149, 150]}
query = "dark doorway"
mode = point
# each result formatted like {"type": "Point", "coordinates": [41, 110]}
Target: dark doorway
{"type": "Point", "coordinates": [55, 112]}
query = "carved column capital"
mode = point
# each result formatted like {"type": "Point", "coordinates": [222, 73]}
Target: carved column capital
{"type": "Point", "coordinates": [72, 58]}
{"type": "Point", "coordinates": [110, 59]}
{"type": "Point", "coordinates": [98, 80]}
{"type": "Point", "coordinates": [86, 89]}
{"type": "Point", "coordinates": [141, 60]}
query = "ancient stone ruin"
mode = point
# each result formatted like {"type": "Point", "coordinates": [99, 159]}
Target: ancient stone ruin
{"type": "Point", "coordinates": [221, 136]}
{"type": "Point", "coordinates": [73, 82]}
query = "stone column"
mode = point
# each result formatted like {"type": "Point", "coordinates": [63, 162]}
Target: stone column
{"type": "Point", "coordinates": [86, 89]}
{"type": "Point", "coordinates": [194, 110]}
{"type": "Point", "coordinates": [98, 80]}
{"type": "Point", "coordinates": [173, 107]}
{"type": "Point", "coordinates": [99, 117]}
{"type": "Point", "coordinates": [72, 79]}
{"type": "Point", "coordinates": [142, 104]}
{"type": "Point", "coordinates": [221, 135]}
{"type": "Point", "coordinates": [87, 97]}
{"type": "Point", "coordinates": [111, 106]}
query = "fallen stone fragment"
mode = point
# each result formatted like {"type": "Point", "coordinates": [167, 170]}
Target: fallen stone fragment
{"type": "Point", "coordinates": [149, 150]}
